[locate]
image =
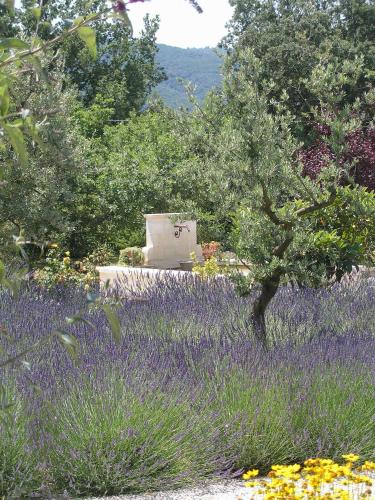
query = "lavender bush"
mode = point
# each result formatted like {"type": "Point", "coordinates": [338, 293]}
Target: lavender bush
{"type": "Point", "coordinates": [186, 394]}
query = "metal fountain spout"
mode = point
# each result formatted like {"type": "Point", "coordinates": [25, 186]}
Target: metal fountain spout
{"type": "Point", "coordinates": [178, 229]}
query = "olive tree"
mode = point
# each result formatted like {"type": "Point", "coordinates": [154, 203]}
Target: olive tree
{"type": "Point", "coordinates": [277, 205]}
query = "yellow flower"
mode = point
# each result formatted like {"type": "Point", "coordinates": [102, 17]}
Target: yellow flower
{"type": "Point", "coordinates": [311, 482]}
{"type": "Point", "coordinates": [250, 473]}
{"type": "Point", "coordinates": [294, 467]}
{"type": "Point", "coordinates": [276, 482]}
{"type": "Point", "coordinates": [326, 461]}
{"type": "Point", "coordinates": [312, 461]}
{"type": "Point", "coordinates": [342, 495]}
{"type": "Point", "coordinates": [350, 457]}
{"type": "Point", "coordinates": [251, 484]}
{"type": "Point", "coordinates": [67, 254]}
{"type": "Point", "coordinates": [314, 481]}
{"type": "Point", "coordinates": [361, 479]}
{"type": "Point", "coordinates": [53, 245]}
{"type": "Point", "coordinates": [368, 466]}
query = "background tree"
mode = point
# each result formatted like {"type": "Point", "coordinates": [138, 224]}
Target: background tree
{"type": "Point", "coordinates": [125, 69]}
{"type": "Point", "coordinates": [292, 37]}
{"type": "Point", "coordinates": [38, 196]}
{"type": "Point", "coordinates": [131, 169]}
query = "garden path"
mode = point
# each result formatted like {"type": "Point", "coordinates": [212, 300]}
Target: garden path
{"type": "Point", "coordinates": [223, 490]}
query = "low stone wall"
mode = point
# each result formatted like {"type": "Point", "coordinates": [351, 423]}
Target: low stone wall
{"type": "Point", "coordinates": [133, 280]}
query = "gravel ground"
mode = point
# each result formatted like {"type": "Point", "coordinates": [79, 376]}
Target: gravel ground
{"type": "Point", "coordinates": [223, 490]}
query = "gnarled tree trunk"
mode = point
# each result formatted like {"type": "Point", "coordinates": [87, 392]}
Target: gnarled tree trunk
{"type": "Point", "coordinates": [268, 291]}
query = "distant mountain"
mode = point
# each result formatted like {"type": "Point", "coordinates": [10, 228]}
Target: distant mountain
{"type": "Point", "coordinates": [199, 66]}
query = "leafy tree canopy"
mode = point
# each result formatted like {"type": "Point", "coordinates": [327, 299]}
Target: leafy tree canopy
{"type": "Point", "coordinates": [131, 170]}
{"type": "Point", "coordinates": [123, 68]}
{"type": "Point", "coordinates": [291, 37]}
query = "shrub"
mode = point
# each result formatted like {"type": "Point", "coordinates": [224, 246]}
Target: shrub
{"type": "Point", "coordinates": [131, 256]}
{"type": "Point", "coordinates": [208, 269]}
{"type": "Point", "coordinates": [360, 152]}
{"type": "Point", "coordinates": [59, 268]}
{"type": "Point", "coordinates": [128, 439]}
{"type": "Point", "coordinates": [101, 256]}
{"type": "Point", "coordinates": [210, 249]}
{"type": "Point", "coordinates": [342, 235]}
{"type": "Point", "coordinates": [19, 469]}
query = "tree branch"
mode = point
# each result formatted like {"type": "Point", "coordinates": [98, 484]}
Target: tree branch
{"type": "Point", "coordinates": [31, 52]}
{"type": "Point", "coordinates": [317, 206]}
{"type": "Point", "coordinates": [267, 208]}
{"type": "Point", "coordinates": [281, 249]}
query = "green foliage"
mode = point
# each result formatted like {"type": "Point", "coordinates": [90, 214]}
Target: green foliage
{"type": "Point", "coordinates": [131, 170]}
{"type": "Point", "coordinates": [268, 436]}
{"type": "Point", "coordinates": [20, 55]}
{"type": "Point", "coordinates": [291, 38]}
{"type": "Point", "coordinates": [101, 256]}
{"type": "Point", "coordinates": [124, 71]}
{"type": "Point", "coordinates": [252, 150]}
{"type": "Point", "coordinates": [120, 436]}
{"type": "Point", "coordinates": [7, 29]}
{"type": "Point", "coordinates": [206, 192]}
{"type": "Point", "coordinates": [36, 195]}
{"type": "Point", "coordinates": [111, 452]}
{"type": "Point", "coordinates": [88, 36]}
{"type": "Point", "coordinates": [131, 256]}
{"type": "Point", "coordinates": [343, 235]}
{"type": "Point", "coordinates": [208, 269]}
{"type": "Point", "coordinates": [19, 473]}
{"type": "Point", "coordinates": [48, 130]}
{"type": "Point", "coordinates": [91, 120]}
{"type": "Point", "coordinates": [330, 242]}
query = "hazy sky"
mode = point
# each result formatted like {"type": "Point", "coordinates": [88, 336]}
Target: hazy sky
{"type": "Point", "coordinates": [180, 23]}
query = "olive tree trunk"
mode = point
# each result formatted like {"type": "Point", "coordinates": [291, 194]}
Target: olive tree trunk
{"type": "Point", "coordinates": [268, 290]}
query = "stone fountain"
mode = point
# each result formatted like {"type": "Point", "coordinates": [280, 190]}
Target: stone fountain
{"type": "Point", "coordinates": [170, 240]}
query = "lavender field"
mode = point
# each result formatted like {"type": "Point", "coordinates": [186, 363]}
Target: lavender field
{"type": "Point", "coordinates": [186, 395]}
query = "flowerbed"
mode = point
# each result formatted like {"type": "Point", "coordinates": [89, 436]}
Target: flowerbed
{"type": "Point", "coordinates": [186, 394]}
{"type": "Point", "coordinates": [318, 478]}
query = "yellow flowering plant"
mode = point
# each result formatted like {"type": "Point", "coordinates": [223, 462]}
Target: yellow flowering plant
{"type": "Point", "coordinates": [208, 269]}
{"type": "Point", "coordinates": [318, 478]}
{"type": "Point", "coordinates": [59, 268]}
